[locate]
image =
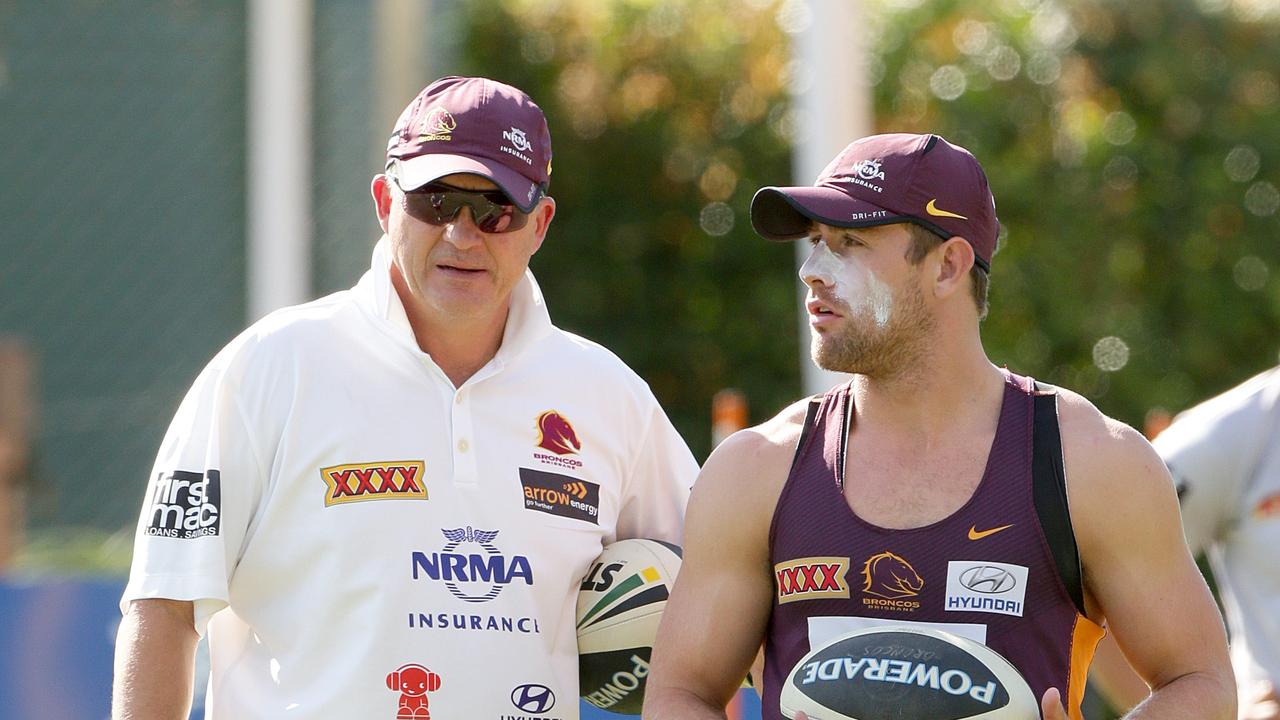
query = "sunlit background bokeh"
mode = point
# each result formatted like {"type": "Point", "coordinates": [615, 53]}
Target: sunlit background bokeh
{"type": "Point", "coordinates": [1133, 147]}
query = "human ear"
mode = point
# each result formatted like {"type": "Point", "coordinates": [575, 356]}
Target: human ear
{"type": "Point", "coordinates": [954, 260]}
{"type": "Point", "coordinates": [380, 188]}
{"type": "Point", "coordinates": [542, 215]}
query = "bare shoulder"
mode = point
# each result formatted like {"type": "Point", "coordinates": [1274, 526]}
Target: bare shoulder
{"type": "Point", "coordinates": [1123, 506]}
{"type": "Point", "coordinates": [763, 445]}
{"type": "Point", "coordinates": [1104, 455]}
{"type": "Point", "coordinates": [750, 467]}
{"type": "Point", "coordinates": [1125, 515]}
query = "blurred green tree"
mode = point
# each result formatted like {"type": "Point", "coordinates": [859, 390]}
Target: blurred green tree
{"type": "Point", "coordinates": [665, 118]}
{"type": "Point", "coordinates": [1132, 150]}
{"type": "Point", "coordinates": [1131, 147]}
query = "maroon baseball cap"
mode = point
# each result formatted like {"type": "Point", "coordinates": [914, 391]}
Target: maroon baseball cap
{"type": "Point", "coordinates": [473, 125]}
{"type": "Point", "coordinates": [886, 179]}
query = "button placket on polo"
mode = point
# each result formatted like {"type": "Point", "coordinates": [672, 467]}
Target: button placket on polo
{"type": "Point", "coordinates": [465, 470]}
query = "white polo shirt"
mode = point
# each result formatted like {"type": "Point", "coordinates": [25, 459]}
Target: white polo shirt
{"type": "Point", "coordinates": [1225, 456]}
{"type": "Point", "coordinates": [340, 513]}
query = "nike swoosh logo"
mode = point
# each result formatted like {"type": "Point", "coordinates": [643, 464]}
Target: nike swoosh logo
{"type": "Point", "coordinates": [976, 534]}
{"type": "Point", "coordinates": [933, 210]}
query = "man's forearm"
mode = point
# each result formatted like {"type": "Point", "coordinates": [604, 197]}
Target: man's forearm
{"type": "Point", "coordinates": [155, 662]}
{"type": "Point", "coordinates": [1197, 696]}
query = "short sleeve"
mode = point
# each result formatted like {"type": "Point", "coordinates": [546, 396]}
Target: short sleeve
{"type": "Point", "coordinates": [199, 498]}
{"type": "Point", "coordinates": [1212, 451]}
{"type": "Point", "coordinates": [658, 487]}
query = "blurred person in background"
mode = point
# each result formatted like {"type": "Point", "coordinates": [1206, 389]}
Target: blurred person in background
{"type": "Point", "coordinates": [1224, 455]}
{"type": "Point", "coordinates": [380, 504]}
{"type": "Point", "coordinates": [868, 505]}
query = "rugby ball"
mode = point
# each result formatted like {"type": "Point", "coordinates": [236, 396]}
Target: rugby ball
{"type": "Point", "coordinates": [899, 672]}
{"type": "Point", "coordinates": [620, 603]}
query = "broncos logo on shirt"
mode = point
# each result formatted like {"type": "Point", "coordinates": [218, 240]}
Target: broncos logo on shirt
{"type": "Point", "coordinates": [556, 434]}
{"type": "Point", "coordinates": [888, 576]}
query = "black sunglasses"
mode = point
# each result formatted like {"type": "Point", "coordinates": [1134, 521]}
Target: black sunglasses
{"type": "Point", "coordinates": [438, 204]}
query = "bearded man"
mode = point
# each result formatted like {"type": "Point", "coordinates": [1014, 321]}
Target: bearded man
{"type": "Point", "coordinates": [868, 505]}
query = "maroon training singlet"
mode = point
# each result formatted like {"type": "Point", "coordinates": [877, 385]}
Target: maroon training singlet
{"type": "Point", "coordinates": [1004, 566]}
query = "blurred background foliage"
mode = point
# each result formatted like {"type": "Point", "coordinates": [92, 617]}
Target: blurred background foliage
{"type": "Point", "coordinates": [1133, 150]}
{"type": "Point", "coordinates": [1132, 146]}
{"type": "Point", "coordinates": [665, 118]}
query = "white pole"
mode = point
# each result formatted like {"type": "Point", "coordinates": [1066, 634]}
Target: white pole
{"type": "Point", "coordinates": [402, 61]}
{"type": "Point", "coordinates": [833, 108]}
{"type": "Point", "coordinates": [279, 140]}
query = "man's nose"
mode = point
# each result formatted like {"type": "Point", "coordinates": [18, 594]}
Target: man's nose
{"type": "Point", "coordinates": [462, 231]}
{"type": "Point", "coordinates": [814, 272]}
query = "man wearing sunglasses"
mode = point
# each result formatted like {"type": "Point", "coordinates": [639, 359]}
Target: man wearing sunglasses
{"type": "Point", "coordinates": [381, 504]}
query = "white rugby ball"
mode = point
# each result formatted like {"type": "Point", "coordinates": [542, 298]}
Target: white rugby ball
{"type": "Point", "coordinates": [899, 672]}
{"type": "Point", "coordinates": [620, 604]}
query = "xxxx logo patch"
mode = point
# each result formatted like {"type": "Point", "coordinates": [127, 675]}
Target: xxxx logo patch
{"type": "Point", "coordinates": [811, 578]}
{"type": "Point", "coordinates": [391, 480]}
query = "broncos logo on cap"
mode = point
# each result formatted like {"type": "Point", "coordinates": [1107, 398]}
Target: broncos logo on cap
{"type": "Point", "coordinates": [888, 576]}
{"type": "Point", "coordinates": [437, 124]}
{"type": "Point", "coordinates": [556, 434]}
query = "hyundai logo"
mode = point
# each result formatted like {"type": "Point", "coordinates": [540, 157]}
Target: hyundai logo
{"type": "Point", "coordinates": [988, 580]}
{"type": "Point", "coordinates": [533, 698]}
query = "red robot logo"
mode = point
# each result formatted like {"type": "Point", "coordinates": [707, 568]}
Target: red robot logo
{"type": "Point", "coordinates": [413, 682]}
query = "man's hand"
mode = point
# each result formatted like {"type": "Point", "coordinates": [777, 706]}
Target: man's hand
{"type": "Point", "coordinates": [1051, 705]}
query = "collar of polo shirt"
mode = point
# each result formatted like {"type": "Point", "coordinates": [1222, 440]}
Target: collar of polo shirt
{"type": "Point", "coordinates": [527, 322]}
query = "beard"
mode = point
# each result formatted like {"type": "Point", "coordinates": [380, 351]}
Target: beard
{"type": "Point", "coordinates": [878, 351]}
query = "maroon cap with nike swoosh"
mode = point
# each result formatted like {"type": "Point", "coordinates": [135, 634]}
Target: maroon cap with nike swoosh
{"type": "Point", "coordinates": [886, 179]}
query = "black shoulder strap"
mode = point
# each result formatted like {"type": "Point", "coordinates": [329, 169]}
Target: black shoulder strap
{"type": "Point", "coordinates": [1049, 490]}
{"type": "Point", "coordinates": [810, 419]}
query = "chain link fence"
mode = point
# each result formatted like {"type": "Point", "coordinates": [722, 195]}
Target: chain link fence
{"type": "Point", "coordinates": [123, 228]}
